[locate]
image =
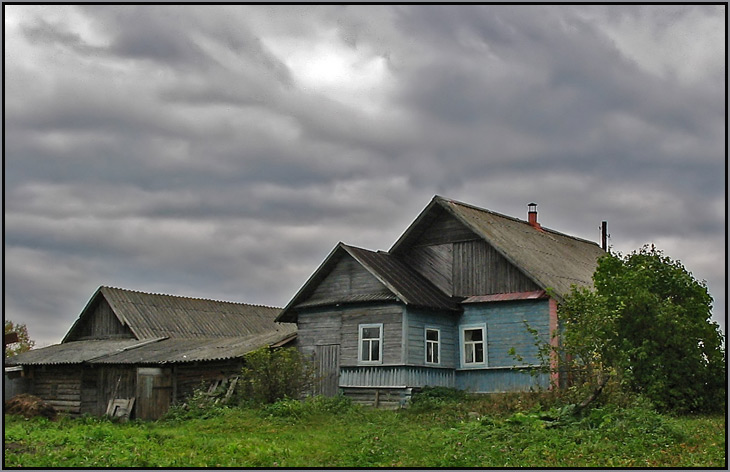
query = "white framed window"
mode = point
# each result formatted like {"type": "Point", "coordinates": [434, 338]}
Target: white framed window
{"type": "Point", "coordinates": [474, 345]}
{"type": "Point", "coordinates": [433, 346]}
{"type": "Point", "coordinates": [370, 343]}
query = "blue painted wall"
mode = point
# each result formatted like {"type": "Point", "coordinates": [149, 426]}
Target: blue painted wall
{"type": "Point", "coordinates": [415, 343]}
{"type": "Point", "coordinates": [506, 329]}
{"type": "Point", "coordinates": [501, 380]}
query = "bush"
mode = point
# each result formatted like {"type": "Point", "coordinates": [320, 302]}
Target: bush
{"type": "Point", "coordinates": [271, 375]}
{"type": "Point", "coordinates": [291, 408]}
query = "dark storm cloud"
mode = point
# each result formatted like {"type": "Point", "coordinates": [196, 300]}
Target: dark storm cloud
{"type": "Point", "coordinates": [223, 151]}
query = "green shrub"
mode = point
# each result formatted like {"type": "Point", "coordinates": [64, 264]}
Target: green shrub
{"type": "Point", "coordinates": [270, 375]}
{"type": "Point", "coordinates": [292, 408]}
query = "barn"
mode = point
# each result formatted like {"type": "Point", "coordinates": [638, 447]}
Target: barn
{"type": "Point", "coordinates": [447, 305]}
{"type": "Point", "coordinates": [143, 351]}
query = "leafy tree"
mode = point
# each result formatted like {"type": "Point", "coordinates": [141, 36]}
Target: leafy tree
{"type": "Point", "coordinates": [647, 323]}
{"type": "Point", "coordinates": [272, 374]}
{"type": "Point", "coordinates": [24, 342]}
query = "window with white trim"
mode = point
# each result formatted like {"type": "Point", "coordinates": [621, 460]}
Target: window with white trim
{"type": "Point", "coordinates": [474, 350]}
{"type": "Point", "coordinates": [370, 344]}
{"type": "Point", "coordinates": [433, 346]}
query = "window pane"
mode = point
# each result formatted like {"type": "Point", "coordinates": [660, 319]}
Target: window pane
{"type": "Point", "coordinates": [375, 351]}
{"type": "Point", "coordinates": [432, 335]}
{"type": "Point", "coordinates": [479, 348]}
{"type": "Point", "coordinates": [365, 350]}
{"type": "Point", "coordinates": [468, 353]}
{"type": "Point", "coordinates": [371, 332]}
{"type": "Point", "coordinates": [473, 335]}
{"type": "Point", "coordinates": [435, 354]}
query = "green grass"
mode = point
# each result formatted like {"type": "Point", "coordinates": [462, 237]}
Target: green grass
{"type": "Point", "coordinates": [332, 433]}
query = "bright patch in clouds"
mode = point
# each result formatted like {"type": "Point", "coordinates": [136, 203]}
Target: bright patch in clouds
{"type": "Point", "coordinates": [326, 65]}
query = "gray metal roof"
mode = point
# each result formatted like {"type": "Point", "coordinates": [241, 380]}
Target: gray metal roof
{"type": "Point", "coordinates": [178, 350]}
{"type": "Point", "coordinates": [150, 351]}
{"type": "Point", "coordinates": [151, 315]}
{"type": "Point", "coordinates": [551, 259]}
{"type": "Point", "coordinates": [74, 352]}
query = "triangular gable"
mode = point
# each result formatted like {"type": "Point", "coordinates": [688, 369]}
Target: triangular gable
{"type": "Point", "coordinates": [312, 287]}
{"type": "Point", "coordinates": [98, 315]}
{"type": "Point", "coordinates": [551, 260]}
{"type": "Point", "coordinates": [373, 276]}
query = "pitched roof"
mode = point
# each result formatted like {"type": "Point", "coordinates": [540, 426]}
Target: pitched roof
{"type": "Point", "coordinates": [403, 283]}
{"type": "Point", "coordinates": [150, 351]}
{"type": "Point", "coordinates": [149, 315]}
{"type": "Point", "coordinates": [551, 259]}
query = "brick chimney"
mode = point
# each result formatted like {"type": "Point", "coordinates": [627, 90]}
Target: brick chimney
{"type": "Point", "coordinates": [532, 215]}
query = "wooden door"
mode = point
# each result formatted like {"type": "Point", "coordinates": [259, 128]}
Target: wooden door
{"type": "Point", "coordinates": [154, 392]}
{"type": "Point", "coordinates": [327, 369]}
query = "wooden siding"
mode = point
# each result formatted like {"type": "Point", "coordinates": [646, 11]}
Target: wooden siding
{"type": "Point", "coordinates": [396, 376]}
{"type": "Point", "coordinates": [100, 323]}
{"type": "Point", "coordinates": [390, 315]}
{"type": "Point", "coordinates": [444, 229]}
{"type": "Point", "coordinates": [415, 347]}
{"type": "Point", "coordinates": [506, 328]}
{"type": "Point", "coordinates": [501, 380]}
{"type": "Point", "coordinates": [480, 270]}
{"type": "Point", "coordinates": [99, 385]}
{"type": "Point", "coordinates": [188, 377]}
{"type": "Point", "coordinates": [434, 262]}
{"type": "Point", "coordinates": [387, 398]}
{"type": "Point", "coordinates": [348, 278]}
{"type": "Point", "coordinates": [317, 328]}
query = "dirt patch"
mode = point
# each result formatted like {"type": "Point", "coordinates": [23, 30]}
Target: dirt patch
{"type": "Point", "coordinates": [29, 406]}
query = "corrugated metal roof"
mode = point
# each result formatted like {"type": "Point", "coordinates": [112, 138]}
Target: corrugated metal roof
{"type": "Point", "coordinates": [150, 315]}
{"type": "Point", "coordinates": [507, 297]}
{"type": "Point", "coordinates": [150, 351]}
{"type": "Point", "coordinates": [74, 352]}
{"type": "Point", "coordinates": [170, 351]}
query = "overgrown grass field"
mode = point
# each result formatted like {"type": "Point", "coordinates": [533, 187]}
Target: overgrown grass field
{"type": "Point", "coordinates": [508, 431]}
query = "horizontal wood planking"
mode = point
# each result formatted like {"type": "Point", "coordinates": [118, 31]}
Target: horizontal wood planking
{"type": "Point", "coordinates": [506, 328]}
{"type": "Point", "coordinates": [390, 315]}
{"type": "Point", "coordinates": [418, 320]}
{"type": "Point", "coordinates": [501, 380]}
{"type": "Point", "coordinates": [348, 278]}
{"type": "Point", "coordinates": [320, 327]}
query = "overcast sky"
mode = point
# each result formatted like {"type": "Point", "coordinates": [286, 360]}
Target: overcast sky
{"type": "Point", "coordinates": [223, 151]}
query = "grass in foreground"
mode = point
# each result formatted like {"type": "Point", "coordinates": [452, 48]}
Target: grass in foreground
{"type": "Point", "coordinates": [334, 433]}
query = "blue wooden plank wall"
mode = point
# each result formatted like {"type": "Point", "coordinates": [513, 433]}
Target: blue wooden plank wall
{"type": "Point", "coordinates": [501, 380]}
{"type": "Point", "coordinates": [415, 347]}
{"type": "Point", "coordinates": [506, 328]}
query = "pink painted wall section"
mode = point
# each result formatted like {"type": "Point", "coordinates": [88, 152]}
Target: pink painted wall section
{"type": "Point", "coordinates": [554, 341]}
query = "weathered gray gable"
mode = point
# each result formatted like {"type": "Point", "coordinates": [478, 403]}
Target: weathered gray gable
{"type": "Point", "coordinates": [347, 281]}
{"type": "Point", "coordinates": [465, 251]}
{"type": "Point", "coordinates": [98, 321]}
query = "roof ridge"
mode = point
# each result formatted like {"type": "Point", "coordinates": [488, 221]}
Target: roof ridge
{"type": "Point", "coordinates": [502, 215]}
{"type": "Point", "coordinates": [187, 297]}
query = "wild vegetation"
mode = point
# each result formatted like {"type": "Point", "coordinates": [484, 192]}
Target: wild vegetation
{"type": "Point", "coordinates": [442, 428]}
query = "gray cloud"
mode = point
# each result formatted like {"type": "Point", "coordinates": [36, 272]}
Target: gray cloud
{"type": "Point", "coordinates": [222, 151]}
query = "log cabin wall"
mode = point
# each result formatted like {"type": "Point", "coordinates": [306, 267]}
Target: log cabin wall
{"type": "Point", "coordinates": [60, 386]}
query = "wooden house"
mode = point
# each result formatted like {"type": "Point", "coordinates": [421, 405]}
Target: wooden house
{"type": "Point", "coordinates": [155, 349]}
{"type": "Point", "coordinates": [443, 307]}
